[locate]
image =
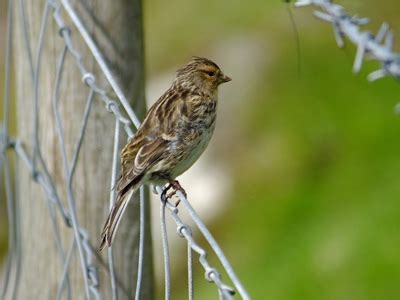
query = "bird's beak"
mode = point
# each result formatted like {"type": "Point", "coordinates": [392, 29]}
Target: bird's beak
{"type": "Point", "coordinates": [223, 78]}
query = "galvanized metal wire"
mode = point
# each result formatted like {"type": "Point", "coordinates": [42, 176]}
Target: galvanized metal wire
{"type": "Point", "coordinates": [377, 47]}
{"type": "Point", "coordinates": [36, 166]}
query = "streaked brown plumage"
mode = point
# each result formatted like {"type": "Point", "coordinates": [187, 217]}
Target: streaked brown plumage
{"type": "Point", "coordinates": [174, 133]}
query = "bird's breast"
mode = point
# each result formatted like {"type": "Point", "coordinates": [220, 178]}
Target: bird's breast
{"type": "Point", "coordinates": [202, 113]}
{"type": "Point", "coordinates": [190, 152]}
{"type": "Point", "coordinates": [193, 141]}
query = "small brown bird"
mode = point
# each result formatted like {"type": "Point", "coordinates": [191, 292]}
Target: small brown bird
{"type": "Point", "coordinates": [173, 135]}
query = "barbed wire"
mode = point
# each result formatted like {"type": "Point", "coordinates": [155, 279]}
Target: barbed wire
{"type": "Point", "coordinates": [39, 171]}
{"type": "Point", "coordinates": [378, 47]}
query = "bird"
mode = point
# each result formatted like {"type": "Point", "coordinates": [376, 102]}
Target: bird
{"type": "Point", "coordinates": [175, 132]}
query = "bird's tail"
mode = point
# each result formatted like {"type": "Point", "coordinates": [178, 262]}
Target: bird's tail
{"type": "Point", "coordinates": [110, 228]}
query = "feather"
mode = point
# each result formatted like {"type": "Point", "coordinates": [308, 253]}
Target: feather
{"type": "Point", "coordinates": [144, 159]}
{"type": "Point", "coordinates": [110, 228]}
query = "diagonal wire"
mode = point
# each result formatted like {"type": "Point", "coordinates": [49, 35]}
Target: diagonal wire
{"type": "Point", "coordinates": [3, 146]}
{"type": "Point", "coordinates": [100, 60]}
{"type": "Point", "coordinates": [26, 37]}
{"type": "Point", "coordinates": [69, 173]}
{"type": "Point", "coordinates": [65, 276]}
{"type": "Point", "coordinates": [211, 274]}
{"type": "Point", "coordinates": [49, 186]}
{"type": "Point", "coordinates": [114, 171]}
{"type": "Point", "coordinates": [65, 281]}
{"type": "Point", "coordinates": [164, 237]}
{"type": "Point", "coordinates": [214, 245]}
{"type": "Point", "coordinates": [190, 273]}
{"type": "Point", "coordinates": [75, 225]}
{"type": "Point", "coordinates": [142, 231]}
{"type": "Point", "coordinates": [36, 74]}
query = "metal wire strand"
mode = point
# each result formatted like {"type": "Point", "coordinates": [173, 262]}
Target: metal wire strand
{"type": "Point", "coordinates": [3, 148]}
{"type": "Point", "coordinates": [100, 60]}
{"type": "Point", "coordinates": [378, 47]}
{"type": "Point", "coordinates": [11, 213]}
{"type": "Point", "coordinates": [164, 237]}
{"type": "Point", "coordinates": [214, 245]}
{"type": "Point", "coordinates": [69, 171]}
{"type": "Point", "coordinates": [65, 276]}
{"type": "Point", "coordinates": [211, 274]}
{"type": "Point", "coordinates": [190, 273]}
{"type": "Point", "coordinates": [141, 243]}
{"type": "Point", "coordinates": [36, 76]}
{"type": "Point", "coordinates": [114, 171]}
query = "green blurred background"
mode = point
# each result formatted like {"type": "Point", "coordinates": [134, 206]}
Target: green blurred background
{"type": "Point", "coordinates": [314, 212]}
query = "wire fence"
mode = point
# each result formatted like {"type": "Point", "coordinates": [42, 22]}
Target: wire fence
{"type": "Point", "coordinates": [36, 165]}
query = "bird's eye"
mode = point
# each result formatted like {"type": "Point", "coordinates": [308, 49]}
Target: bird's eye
{"type": "Point", "coordinates": [211, 73]}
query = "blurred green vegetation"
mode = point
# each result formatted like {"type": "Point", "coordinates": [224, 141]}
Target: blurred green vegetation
{"type": "Point", "coordinates": [315, 212]}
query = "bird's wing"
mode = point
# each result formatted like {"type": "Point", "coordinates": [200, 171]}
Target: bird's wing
{"type": "Point", "coordinates": [147, 155]}
{"type": "Point", "coordinates": [129, 181]}
{"type": "Point", "coordinates": [151, 139]}
{"type": "Point", "coordinates": [159, 128]}
{"type": "Point", "coordinates": [165, 116]}
{"type": "Point", "coordinates": [114, 217]}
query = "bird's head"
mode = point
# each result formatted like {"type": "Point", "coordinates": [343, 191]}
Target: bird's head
{"type": "Point", "coordinates": [201, 73]}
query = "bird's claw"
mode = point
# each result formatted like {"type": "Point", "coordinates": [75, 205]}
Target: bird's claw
{"type": "Point", "coordinates": [177, 187]}
{"type": "Point", "coordinates": [169, 196]}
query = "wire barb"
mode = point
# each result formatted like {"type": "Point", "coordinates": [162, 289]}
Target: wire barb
{"type": "Point", "coordinates": [348, 26]}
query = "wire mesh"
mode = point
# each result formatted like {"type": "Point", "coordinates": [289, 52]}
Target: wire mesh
{"type": "Point", "coordinates": [37, 167]}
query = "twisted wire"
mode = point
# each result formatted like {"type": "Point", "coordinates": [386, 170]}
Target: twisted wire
{"type": "Point", "coordinates": [378, 47]}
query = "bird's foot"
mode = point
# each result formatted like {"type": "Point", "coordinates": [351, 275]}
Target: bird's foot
{"type": "Point", "coordinates": [176, 187]}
